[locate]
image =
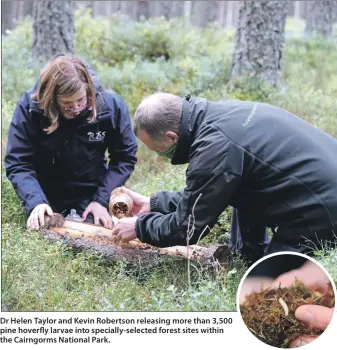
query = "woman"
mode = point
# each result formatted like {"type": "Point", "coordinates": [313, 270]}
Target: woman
{"type": "Point", "coordinates": [58, 137]}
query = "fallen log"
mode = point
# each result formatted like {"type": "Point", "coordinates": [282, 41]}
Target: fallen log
{"type": "Point", "coordinates": [97, 239]}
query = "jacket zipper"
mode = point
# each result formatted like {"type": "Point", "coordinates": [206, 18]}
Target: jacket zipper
{"type": "Point", "coordinates": [57, 154]}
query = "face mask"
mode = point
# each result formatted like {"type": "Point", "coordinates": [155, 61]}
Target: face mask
{"type": "Point", "coordinates": [70, 113]}
{"type": "Point", "coordinates": [73, 112]}
{"type": "Point", "coordinates": [169, 153]}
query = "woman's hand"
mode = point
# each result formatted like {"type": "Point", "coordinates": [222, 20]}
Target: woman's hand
{"type": "Point", "coordinates": [37, 216]}
{"type": "Point", "coordinates": [99, 213]}
{"type": "Point", "coordinates": [141, 204]}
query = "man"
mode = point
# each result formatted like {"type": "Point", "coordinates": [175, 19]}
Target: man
{"type": "Point", "coordinates": [274, 168]}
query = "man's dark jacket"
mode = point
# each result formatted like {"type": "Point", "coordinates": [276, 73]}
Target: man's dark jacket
{"type": "Point", "coordinates": [277, 168]}
{"type": "Point", "coordinates": [69, 165]}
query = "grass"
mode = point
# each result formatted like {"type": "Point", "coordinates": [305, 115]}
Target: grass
{"type": "Point", "coordinates": [37, 275]}
{"type": "Point", "coordinates": [41, 276]}
{"type": "Point", "coordinates": [58, 280]}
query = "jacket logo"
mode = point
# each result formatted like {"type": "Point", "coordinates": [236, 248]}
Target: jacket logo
{"type": "Point", "coordinates": [98, 136]}
{"type": "Point", "coordinates": [251, 115]}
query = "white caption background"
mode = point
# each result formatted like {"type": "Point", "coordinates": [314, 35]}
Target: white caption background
{"type": "Point", "coordinates": [187, 334]}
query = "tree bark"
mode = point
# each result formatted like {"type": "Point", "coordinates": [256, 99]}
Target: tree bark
{"type": "Point", "coordinates": [321, 16]}
{"type": "Point", "coordinates": [53, 29]}
{"type": "Point", "coordinates": [260, 41]}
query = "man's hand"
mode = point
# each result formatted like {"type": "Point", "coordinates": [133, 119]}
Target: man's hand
{"type": "Point", "coordinates": [36, 218]}
{"type": "Point", "coordinates": [124, 231]}
{"type": "Point", "coordinates": [141, 204]}
{"type": "Point", "coordinates": [253, 284]}
{"type": "Point", "coordinates": [99, 213]}
{"type": "Point", "coordinates": [313, 315]}
{"type": "Point", "coordinates": [310, 274]}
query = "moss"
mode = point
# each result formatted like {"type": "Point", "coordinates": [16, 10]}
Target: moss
{"type": "Point", "coordinates": [270, 314]}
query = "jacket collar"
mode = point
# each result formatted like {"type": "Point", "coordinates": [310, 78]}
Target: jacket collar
{"type": "Point", "coordinates": [194, 109]}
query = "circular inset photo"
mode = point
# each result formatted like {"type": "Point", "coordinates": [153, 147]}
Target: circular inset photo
{"type": "Point", "coordinates": [286, 299]}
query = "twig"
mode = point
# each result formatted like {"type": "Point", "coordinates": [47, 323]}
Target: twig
{"type": "Point", "coordinates": [190, 234]}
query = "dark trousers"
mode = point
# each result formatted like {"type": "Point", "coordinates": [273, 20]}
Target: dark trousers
{"type": "Point", "coordinates": [247, 238]}
{"type": "Point", "coordinates": [252, 241]}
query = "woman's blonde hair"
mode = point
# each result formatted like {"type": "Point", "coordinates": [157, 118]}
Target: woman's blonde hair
{"type": "Point", "coordinates": [63, 76]}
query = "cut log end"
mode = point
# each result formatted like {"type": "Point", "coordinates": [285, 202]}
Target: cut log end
{"type": "Point", "coordinates": [120, 204]}
{"type": "Point", "coordinates": [57, 220]}
{"type": "Point", "coordinates": [120, 210]}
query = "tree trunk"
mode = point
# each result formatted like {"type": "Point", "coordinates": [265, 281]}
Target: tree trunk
{"type": "Point", "coordinates": [7, 13]}
{"type": "Point", "coordinates": [130, 9]}
{"type": "Point", "coordinates": [143, 11]}
{"type": "Point", "coordinates": [161, 9]}
{"type": "Point", "coordinates": [53, 28]}
{"type": "Point", "coordinates": [100, 8]}
{"type": "Point", "coordinates": [260, 41]}
{"type": "Point", "coordinates": [177, 9]}
{"type": "Point", "coordinates": [236, 9]}
{"type": "Point", "coordinates": [222, 5]}
{"type": "Point", "coordinates": [187, 13]}
{"type": "Point", "coordinates": [320, 17]}
{"type": "Point", "coordinates": [229, 14]}
{"type": "Point", "coordinates": [28, 8]}
{"type": "Point", "coordinates": [115, 6]}
{"type": "Point", "coordinates": [87, 5]}
{"type": "Point", "coordinates": [167, 9]}
{"type": "Point", "coordinates": [96, 239]}
{"type": "Point", "coordinates": [19, 9]}
{"type": "Point", "coordinates": [204, 12]}
{"type": "Point", "coordinates": [297, 9]}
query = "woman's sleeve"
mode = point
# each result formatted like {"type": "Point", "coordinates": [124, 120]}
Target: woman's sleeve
{"type": "Point", "coordinates": [19, 158]}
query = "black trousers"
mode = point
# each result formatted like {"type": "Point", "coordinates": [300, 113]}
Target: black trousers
{"type": "Point", "coordinates": [252, 241]}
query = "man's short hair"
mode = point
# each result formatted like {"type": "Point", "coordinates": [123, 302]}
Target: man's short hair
{"type": "Point", "coordinates": [157, 114]}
